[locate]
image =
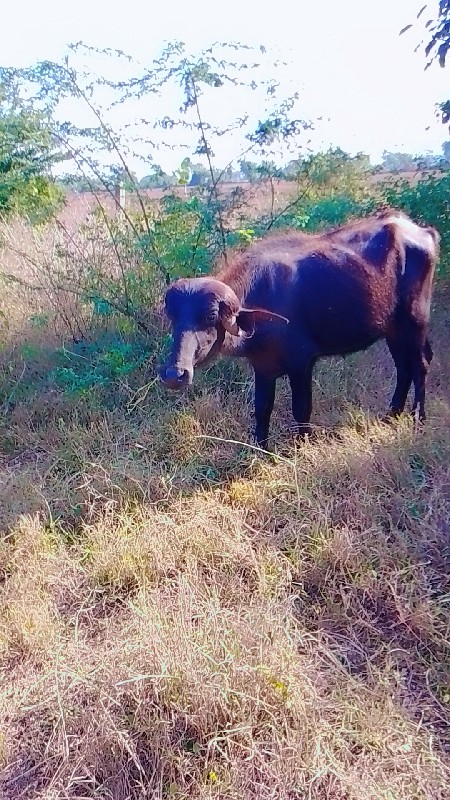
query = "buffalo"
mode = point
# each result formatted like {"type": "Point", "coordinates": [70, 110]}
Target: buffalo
{"type": "Point", "coordinates": [291, 298]}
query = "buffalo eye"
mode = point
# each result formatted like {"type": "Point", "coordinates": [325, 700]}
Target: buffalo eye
{"type": "Point", "coordinates": [210, 319]}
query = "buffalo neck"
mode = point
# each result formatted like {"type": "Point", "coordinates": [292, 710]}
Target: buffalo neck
{"type": "Point", "coordinates": [236, 275]}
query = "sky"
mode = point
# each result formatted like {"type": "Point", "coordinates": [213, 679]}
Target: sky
{"type": "Point", "coordinates": [345, 59]}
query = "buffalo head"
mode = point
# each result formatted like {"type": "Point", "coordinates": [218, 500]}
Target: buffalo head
{"type": "Point", "coordinates": [202, 311]}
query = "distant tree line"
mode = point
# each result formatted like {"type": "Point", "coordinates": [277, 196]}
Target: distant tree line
{"type": "Point", "coordinates": [318, 167]}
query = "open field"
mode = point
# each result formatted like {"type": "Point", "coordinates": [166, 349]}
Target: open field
{"type": "Point", "coordinates": [256, 198]}
{"type": "Point", "coordinates": [184, 617]}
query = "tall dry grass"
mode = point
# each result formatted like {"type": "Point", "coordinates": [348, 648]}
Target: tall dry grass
{"type": "Point", "coordinates": [183, 617]}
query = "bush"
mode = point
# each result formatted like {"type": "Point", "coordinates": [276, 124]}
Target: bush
{"type": "Point", "coordinates": [326, 212]}
{"type": "Point", "coordinates": [26, 156]}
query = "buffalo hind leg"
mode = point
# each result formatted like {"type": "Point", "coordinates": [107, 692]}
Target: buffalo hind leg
{"type": "Point", "coordinates": [301, 388]}
{"type": "Point", "coordinates": [264, 400]}
{"type": "Point", "coordinates": [428, 351]}
{"type": "Point", "coordinates": [412, 362]}
{"type": "Point", "coordinates": [421, 365]}
{"type": "Point", "coordinates": [403, 365]}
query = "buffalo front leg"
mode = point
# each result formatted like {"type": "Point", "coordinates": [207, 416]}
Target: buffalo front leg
{"type": "Point", "coordinates": [264, 400]}
{"type": "Point", "coordinates": [301, 388]}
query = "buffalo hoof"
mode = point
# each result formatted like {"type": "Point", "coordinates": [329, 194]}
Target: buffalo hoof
{"type": "Point", "coordinates": [418, 420]}
{"type": "Point", "coordinates": [391, 417]}
{"type": "Point", "coordinates": [262, 444]}
{"type": "Point", "coordinates": [303, 433]}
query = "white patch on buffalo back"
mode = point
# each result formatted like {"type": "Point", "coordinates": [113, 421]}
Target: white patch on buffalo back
{"type": "Point", "coordinates": [414, 235]}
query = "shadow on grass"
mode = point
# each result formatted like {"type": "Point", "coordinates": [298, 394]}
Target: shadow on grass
{"type": "Point", "coordinates": [374, 584]}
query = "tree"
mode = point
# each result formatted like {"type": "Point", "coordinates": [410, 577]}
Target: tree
{"type": "Point", "coordinates": [195, 80]}
{"type": "Point", "coordinates": [156, 179]}
{"type": "Point", "coordinates": [398, 162]}
{"type": "Point", "coordinates": [200, 175]}
{"type": "Point", "coordinates": [184, 172]}
{"type": "Point", "coordinates": [292, 169]}
{"type": "Point", "coordinates": [230, 175]}
{"type": "Point", "coordinates": [79, 183]}
{"type": "Point", "coordinates": [123, 177]}
{"type": "Point", "coordinates": [429, 161]}
{"type": "Point", "coordinates": [329, 168]}
{"type": "Point", "coordinates": [438, 44]}
{"type": "Point", "coordinates": [249, 170]}
{"type": "Point", "coordinates": [27, 153]}
{"type": "Point", "coordinates": [438, 29]}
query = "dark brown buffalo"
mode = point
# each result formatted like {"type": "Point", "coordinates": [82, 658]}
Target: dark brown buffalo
{"type": "Point", "coordinates": [291, 298]}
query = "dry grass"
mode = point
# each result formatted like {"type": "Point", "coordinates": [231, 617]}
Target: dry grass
{"type": "Point", "coordinates": [182, 617]}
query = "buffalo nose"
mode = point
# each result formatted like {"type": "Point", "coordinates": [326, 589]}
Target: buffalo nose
{"type": "Point", "coordinates": [174, 377]}
{"type": "Point", "coordinates": [175, 374]}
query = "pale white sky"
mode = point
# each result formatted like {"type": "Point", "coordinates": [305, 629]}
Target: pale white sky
{"type": "Point", "coordinates": [345, 58]}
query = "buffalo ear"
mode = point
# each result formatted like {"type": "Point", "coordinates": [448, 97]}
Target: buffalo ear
{"type": "Point", "coordinates": [249, 317]}
{"type": "Point", "coordinates": [245, 319]}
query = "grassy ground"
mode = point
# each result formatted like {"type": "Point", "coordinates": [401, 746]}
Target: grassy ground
{"type": "Point", "coordinates": [182, 617]}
